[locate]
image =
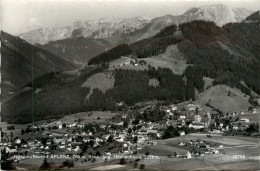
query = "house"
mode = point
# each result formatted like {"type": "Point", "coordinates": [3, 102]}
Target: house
{"type": "Point", "coordinates": [196, 125]}
{"type": "Point", "coordinates": [143, 132]}
{"type": "Point", "coordinates": [76, 149]}
{"type": "Point", "coordinates": [152, 131]}
{"type": "Point", "coordinates": [60, 126]}
{"type": "Point", "coordinates": [188, 155]}
{"type": "Point", "coordinates": [181, 144]}
{"type": "Point", "coordinates": [173, 107]}
{"type": "Point", "coordinates": [182, 133]}
{"type": "Point", "coordinates": [244, 120]}
{"type": "Point", "coordinates": [215, 151]}
{"type": "Point", "coordinates": [193, 107]}
{"type": "Point", "coordinates": [235, 127]}
{"type": "Point", "coordinates": [62, 146]}
{"type": "Point", "coordinates": [58, 140]}
{"type": "Point", "coordinates": [124, 116]}
{"type": "Point", "coordinates": [81, 126]}
{"type": "Point", "coordinates": [182, 117]}
{"type": "Point", "coordinates": [17, 141]}
{"type": "Point", "coordinates": [119, 139]}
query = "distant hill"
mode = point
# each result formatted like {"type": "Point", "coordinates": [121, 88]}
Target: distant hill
{"type": "Point", "coordinates": [22, 62]}
{"type": "Point", "coordinates": [77, 50]}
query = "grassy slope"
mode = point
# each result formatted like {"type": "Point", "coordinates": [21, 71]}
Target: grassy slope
{"type": "Point", "coordinates": [217, 96]}
{"type": "Point", "coordinates": [172, 58]}
{"type": "Point", "coordinates": [101, 81]}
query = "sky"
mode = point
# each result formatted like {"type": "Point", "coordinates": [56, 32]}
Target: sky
{"type": "Point", "coordinates": [20, 16]}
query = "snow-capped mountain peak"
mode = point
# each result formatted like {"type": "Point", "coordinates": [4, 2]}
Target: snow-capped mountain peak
{"type": "Point", "coordinates": [111, 26]}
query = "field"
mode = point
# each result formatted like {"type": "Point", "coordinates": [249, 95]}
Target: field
{"type": "Point", "coordinates": [253, 118]}
{"type": "Point", "coordinates": [217, 96]}
{"type": "Point", "coordinates": [232, 146]}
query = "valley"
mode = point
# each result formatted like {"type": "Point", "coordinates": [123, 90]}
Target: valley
{"type": "Point", "coordinates": [174, 92]}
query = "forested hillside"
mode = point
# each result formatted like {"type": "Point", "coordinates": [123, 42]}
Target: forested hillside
{"type": "Point", "coordinates": [19, 59]}
{"type": "Point", "coordinates": [229, 55]}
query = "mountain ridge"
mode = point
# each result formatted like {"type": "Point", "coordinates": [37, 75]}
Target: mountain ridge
{"type": "Point", "coordinates": [108, 27]}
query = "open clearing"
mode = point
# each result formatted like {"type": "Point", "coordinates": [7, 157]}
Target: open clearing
{"type": "Point", "coordinates": [101, 81]}
{"type": "Point", "coordinates": [217, 96]}
{"type": "Point", "coordinates": [172, 58]}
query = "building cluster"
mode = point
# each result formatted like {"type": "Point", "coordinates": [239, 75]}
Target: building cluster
{"type": "Point", "coordinates": [70, 138]}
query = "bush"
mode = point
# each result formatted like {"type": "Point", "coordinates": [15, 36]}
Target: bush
{"type": "Point", "coordinates": [122, 161]}
{"type": "Point", "coordinates": [68, 163]}
{"type": "Point", "coordinates": [142, 166]}
{"type": "Point", "coordinates": [45, 165]}
{"type": "Point", "coordinates": [135, 165]}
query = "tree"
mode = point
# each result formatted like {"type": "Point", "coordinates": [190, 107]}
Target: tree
{"type": "Point", "coordinates": [142, 166]}
{"type": "Point", "coordinates": [229, 93]}
{"type": "Point", "coordinates": [6, 163]}
{"type": "Point", "coordinates": [197, 110]}
{"type": "Point", "coordinates": [45, 165]}
{"type": "Point", "coordinates": [129, 131]}
{"type": "Point", "coordinates": [98, 153]}
{"type": "Point", "coordinates": [253, 128]}
{"type": "Point", "coordinates": [122, 161]}
{"type": "Point", "coordinates": [110, 139]}
{"type": "Point", "coordinates": [135, 165]}
{"type": "Point", "coordinates": [250, 108]}
{"type": "Point", "coordinates": [68, 163]}
{"type": "Point", "coordinates": [125, 125]}
{"type": "Point", "coordinates": [135, 139]}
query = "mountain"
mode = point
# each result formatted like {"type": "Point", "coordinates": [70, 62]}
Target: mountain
{"type": "Point", "coordinates": [96, 29]}
{"type": "Point", "coordinates": [20, 60]}
{"type": "Point", "coordinates": [219, 14]}
{"type": "Point", "coordinates": [112, 27]}
{"type": "Point", "coordinates": [227, 55]}
{"type": "Point", "coordinates": [84, 40]}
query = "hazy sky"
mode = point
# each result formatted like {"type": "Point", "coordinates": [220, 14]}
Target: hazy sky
{"type": "Point", "coordinates": [19, 16]}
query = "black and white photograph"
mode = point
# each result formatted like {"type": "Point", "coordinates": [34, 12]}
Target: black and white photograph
{"type": "Point", "coordinates": [129, 85]}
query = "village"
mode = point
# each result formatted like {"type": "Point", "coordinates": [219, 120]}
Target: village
{"type": "Point", "coordinates": [130, 132]}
